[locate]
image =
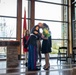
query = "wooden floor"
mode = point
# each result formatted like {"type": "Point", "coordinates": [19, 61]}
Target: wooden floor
{"type": "Point", "coordinates": [55, 69]}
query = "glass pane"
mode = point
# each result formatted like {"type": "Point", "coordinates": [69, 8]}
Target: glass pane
{"type": "Point", "coordinates": [65, 1]}
{"type": "Point", "coordinates": [56, 44]}
{"type": "Point", "coordinates": [74, 34]}
{"type": "Point", "coordinates": [55, 1]}
{"type": "Point", "coordinates": [8, 7]}
{"type": "Point", "coordinates": [48, 11]}
{"type": "Point", "coordinates": [75, 5]}
{"type": "Point", "coordinates": [3, 52]}
{"type": "Point", "coordinates": [22, 27]}
{"type": "Point", "coordinates": [65, 13]}
{"type": "Point", "coordinates": [75, 13]}
{"type": "Point", "coordinates": [8, 27]}
{"type": "Point", "coordinates": [58, 30]}
{"type": "Point", "coordinates": [25, 6]}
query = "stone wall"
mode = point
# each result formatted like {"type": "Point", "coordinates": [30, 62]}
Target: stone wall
{"type": "Point", "coordinates": [12, 56]}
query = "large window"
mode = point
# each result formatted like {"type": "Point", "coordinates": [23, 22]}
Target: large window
{"type": "Point", "coordinates": [47, 11]}
{"type": "Point", "coordinates": [8, 8]}
{"type": "Point", "coordinates": [8, 22]}
{"type": "Point", "coordinates": [54, 14]}
{"type": "Point", "coordinates": [8, 19]}
{"type": "Point", "coordinates": [58, 30]}
{"type": "Point", "coordinates": [7, 27]}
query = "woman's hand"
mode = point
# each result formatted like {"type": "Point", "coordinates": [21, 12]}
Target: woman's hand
{"type": "Point", "coordinates": [43, 37]}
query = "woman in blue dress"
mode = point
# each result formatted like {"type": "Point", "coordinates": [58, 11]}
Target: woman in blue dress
{"type": "Point", "coordinates": [46, 48]}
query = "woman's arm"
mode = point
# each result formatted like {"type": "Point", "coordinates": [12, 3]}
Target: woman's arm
{"type": "Point", "coordinates": [43, 37]}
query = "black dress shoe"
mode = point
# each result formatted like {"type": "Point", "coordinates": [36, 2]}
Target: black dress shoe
{"type": "Point", "coordinates": [29, 69]}
{"type": "Point", "coordinates": [26, 64]}
{"type": "Point", "coordinates": [37, 69]}
{"type": "Point", "coordinates": [46, 68]}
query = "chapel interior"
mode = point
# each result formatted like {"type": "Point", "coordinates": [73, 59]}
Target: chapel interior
{"type": "Point", "coordinates": [59, 15]}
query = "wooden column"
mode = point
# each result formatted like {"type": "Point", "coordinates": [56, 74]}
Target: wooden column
{"type": "Point", "coordinates": [19, 24]}
{"type": "Point", "coordinates": [70, 30]}
{"type": "Point", "coordinates": [32, 13]}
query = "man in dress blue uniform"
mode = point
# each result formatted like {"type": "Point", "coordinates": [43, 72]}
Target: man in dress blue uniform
{"type": "Point", "coordinates": [35, 35]}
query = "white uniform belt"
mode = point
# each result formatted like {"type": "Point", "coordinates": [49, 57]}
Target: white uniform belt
{"type": "Point", "coordinates": [33, 34]}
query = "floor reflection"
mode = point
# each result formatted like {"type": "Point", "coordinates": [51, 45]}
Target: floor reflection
{"type": "Point", "coordinates": [55, 69]}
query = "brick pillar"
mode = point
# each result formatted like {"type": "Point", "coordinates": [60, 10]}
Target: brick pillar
{"type": "Point", "coordinates": [74, 71]}
{"type": "Point", "coordinates": [12, 56]}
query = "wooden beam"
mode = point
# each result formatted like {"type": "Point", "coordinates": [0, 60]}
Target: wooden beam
{"type": "Point", "coordinates": [32, 13]}
{"type": "Point", "coordinates": [19, 23]}
{"type": "Point", "coordinates": [70, 30]}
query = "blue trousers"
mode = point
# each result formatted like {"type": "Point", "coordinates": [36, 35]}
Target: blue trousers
{"type": "Point", "coordinates": [32, 57]}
